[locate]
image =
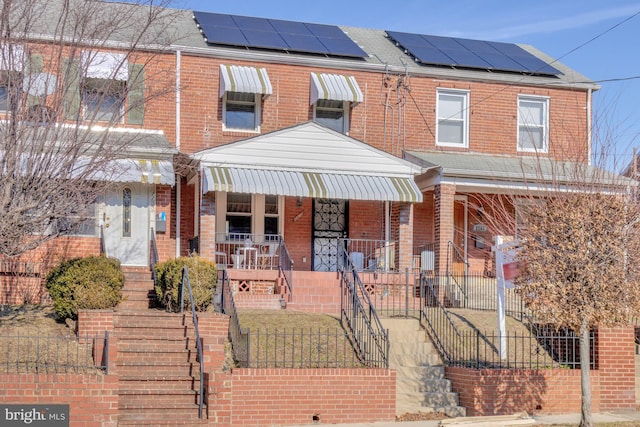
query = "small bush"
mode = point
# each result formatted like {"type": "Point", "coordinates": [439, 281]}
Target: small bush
{"type": "Point", "coordinates": [202, 276]}
{"type": "Point", "coordinates": [94, 282]}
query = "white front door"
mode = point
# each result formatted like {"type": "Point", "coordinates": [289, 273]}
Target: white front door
{"type": "Point", "coordinates": [126, 224]}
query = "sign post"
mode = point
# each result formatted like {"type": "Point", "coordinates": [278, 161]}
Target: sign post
{"type": "Point", "coordinates": [506, 271]}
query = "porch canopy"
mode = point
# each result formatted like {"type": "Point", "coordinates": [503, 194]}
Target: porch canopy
{"type": "Point", "coordinates": [509, 174]}
{"type": "Point", "coordinates": [309, 160]}
{"type": "Point", "coordinates": [106, 154]}
{"type": "Point", "coordinates": [147, 158]}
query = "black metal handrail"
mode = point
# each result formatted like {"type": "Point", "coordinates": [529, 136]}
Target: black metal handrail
{"type": "Point", "coordinates": [154, 258]}
{"type": "Point", "coordinates": [370, 338]}
{"type": "Point", "coordinates": [239, 337]}
{"type": "Point", "coordinates": [194, 317]}
{"type": "Point", "coordinates": [285, 265]}
{"type": "Point", "coordinates": [103, 249]}
{"type": "Point", "coordinates": [430, 299]}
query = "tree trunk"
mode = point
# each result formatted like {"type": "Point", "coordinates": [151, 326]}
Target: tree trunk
{"type": "Point", "coordinates": [586, 419]}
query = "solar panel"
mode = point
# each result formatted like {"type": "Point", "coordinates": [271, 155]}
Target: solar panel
{"type": "Point", "coordinates": [265, 39]}
{"type": "Point", "coordinates": [303, 43]}
{"type": "Point", "coordinates": [477, 54]}
{"type": "Point", "coordinates": [290, 27]}
{"type": "Point", "coordinates": [230, 36]}
{"type": "Point", "coordinates": [250, 23]}
{"type": "Point", "coordinates": [342, 47]}
{"type": "Point", "coordinates": [276, 34]}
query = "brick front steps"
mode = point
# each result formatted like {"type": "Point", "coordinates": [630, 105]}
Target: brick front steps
{"type": "Point", "coordinates": [158, 369]}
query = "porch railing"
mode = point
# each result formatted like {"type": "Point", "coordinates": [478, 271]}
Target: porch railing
{"type": "Point", "coordinates": [248, 251]}
{"type": "Point", "coordinates": [371, 254]}
{"type": "Point", "coordinates": [186, 283]}
{"type": "Point", "coordinates": [359, 317]}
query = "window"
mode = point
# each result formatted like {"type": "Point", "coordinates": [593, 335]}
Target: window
{"type": "Point", "coordinates": [241, 111]}
{"type": "Point", "coordinates": [10, 90]}
{"type": "Point", "coordinates": [238, 213]}
{"type": "Point", "coordinates": [103, 100]}
{"type": "Point", "coordinates": [242, 213]}
{"type": "Point", "coordinates": [126, 212]}
{"type": "Point", "coordinates": [332, 114]}
{"type": "Point", "coordinates": [452, 111]}
{"type": "Point", "coordinates": [533, 124]}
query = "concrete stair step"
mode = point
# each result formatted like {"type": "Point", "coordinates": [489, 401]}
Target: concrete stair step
{"type": "Point", "coordinates": [137, 411]}
{"type": "Point", "coordinates": [133, 273]}
{"type": "Point", "coordinates": [155, 346]}
{"type": "Point", "coordinates": [420, 373]}
{"type": "Point", "coordinates": [153, 334]}
{"type": "Point", "coordinates": [430, 400]}
{"type": "Point", "coordinates": [450, 411]}
{"type": "Point", "coordinates": [135, 379]}
{"type": "Point", "coordinates": [432, 386]}
{"type": "Point", "coordinates": [165, 386]}
{"type": "Point", "coordinates": [135, 304]}
{"type": "Point", "coordinates": [158, 422]}
{"type": "Point", "coordinates": [414, 347]}
{"type": "Point", "coordinates": [414, 359]}
{"type": "Point", "coordinates": [166, 398]}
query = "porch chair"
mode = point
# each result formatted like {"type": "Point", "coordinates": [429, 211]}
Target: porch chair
{"type": "Point", "coordinates": [268, 256]}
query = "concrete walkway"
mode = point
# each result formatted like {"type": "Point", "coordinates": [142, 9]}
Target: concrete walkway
{"type": "Point", "coordinates": [607, 417]}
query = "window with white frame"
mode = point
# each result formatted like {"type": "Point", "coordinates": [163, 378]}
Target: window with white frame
{"type": "Point", "coordinates": [452, 110]}
{"type": "Point", "coordinates": [241, 111]}
{"type": "Point", "coordinates": [103, 100]}
{"type": "Point", "coordinates": [533, 124]}
{"type": "Point", "coordinates": [332, 114]}
{"type": "Point", "coordinates": [241, 213]}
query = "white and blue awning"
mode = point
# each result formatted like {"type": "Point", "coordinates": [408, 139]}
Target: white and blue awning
{"type": "Point", "coordinates": [105, 65]}
{"type": "Point", "coordinates": [311, 184]}
{"type": "Point", "coordinates": [236, 78]}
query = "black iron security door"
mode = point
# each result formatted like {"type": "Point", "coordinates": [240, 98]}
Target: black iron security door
{"type": "Point", "coordinates": [330, 221]}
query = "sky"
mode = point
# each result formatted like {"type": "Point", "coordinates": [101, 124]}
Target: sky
{"type": "Point", "coordinates": [599, 39]}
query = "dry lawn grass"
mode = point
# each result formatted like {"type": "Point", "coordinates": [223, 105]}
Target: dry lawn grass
{"type": "Point", "coordinates": [31, 340]}
{"type": "Point", "coordinates": [290, 339]}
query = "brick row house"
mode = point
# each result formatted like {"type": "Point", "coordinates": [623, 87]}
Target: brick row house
{"type": "Point", "coordinates": [306, 133]}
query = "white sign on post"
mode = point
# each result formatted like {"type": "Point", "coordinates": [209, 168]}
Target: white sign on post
{"type": "Point", "coordinates": [506, 271]}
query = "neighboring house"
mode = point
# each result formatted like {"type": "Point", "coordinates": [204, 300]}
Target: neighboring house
{"type": "Point", "coordinates": [316, 132]}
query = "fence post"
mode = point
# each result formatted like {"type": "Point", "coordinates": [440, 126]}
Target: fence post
{"type": "Point", "coordinates": [406, 293]}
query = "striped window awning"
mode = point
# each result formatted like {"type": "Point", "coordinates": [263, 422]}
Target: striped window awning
{"type": "Point", "coordinates": [235, 78]}
{"type": "Point", "coordinates": [105, 65]}
{"type": "Point", "coordinates": [334, 87]}
{"type": "Point", "coordinates": [309, 184]}
{"type": "Point", "coordinates": [143, 171]}
{"type": "Point", "coordinates": [13, 57]}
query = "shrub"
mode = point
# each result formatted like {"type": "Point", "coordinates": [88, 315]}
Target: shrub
{"type": "Point", "coordinates": [202, 276]}
{"type": "Point", "coordinates": [93, 282]}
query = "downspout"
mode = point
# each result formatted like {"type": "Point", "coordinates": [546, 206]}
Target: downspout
{"type": "Point", "coordinates": [178, 180]}
{"type": "Point", "coordinates": [589, 130]}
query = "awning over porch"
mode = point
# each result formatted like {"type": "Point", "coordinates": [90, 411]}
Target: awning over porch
{"type": "Point", "coordinates": [310, 184]}
{"type": "Point", "coordinates": [145, 171]}
{"type": "Point", "coordinates": [309, 160]}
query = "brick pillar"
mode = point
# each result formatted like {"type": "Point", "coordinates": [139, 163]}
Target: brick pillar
{"type": "Point", "coordinates": [208, 226]}
{"type": "Point", "coordinates": [405, 236]}
{"type": "Point", "coordinates": [443, 227]}
{"type": "Point", "coordinates": [615, 350]}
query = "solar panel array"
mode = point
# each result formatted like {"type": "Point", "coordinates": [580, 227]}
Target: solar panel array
{"type": "Point", "coordinates": [245, 31]}
{"type": "Point", "coordinates": [456, 52]}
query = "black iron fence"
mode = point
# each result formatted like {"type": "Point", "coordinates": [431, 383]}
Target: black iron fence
{"type": "Point", "coordinates": [302, 348]}
{"type": "Point", "coordinates": [533, 346]}
{"type": "Point", "coordinates": [53, 354]}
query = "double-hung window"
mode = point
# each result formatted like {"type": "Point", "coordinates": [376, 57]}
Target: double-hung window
{"type": "Point", "coordinates": [104, 86]}
{"type": "Point", "coordinates": [241, 111]}
{"type": "Point", "coordinates": [12, 58]}
{"type": "Point", "coordinates": [332, 96]}
{"type": "Point", "coordinates": [332, 114]}
{"type": "Point", "coordinates": [452, 111]}
{"type": "Point", "coordinates": [242, 90]}
{"type": "Point", "coordinates": [533, 124]}
{"type": "Point", "coordinates": [243, 213]}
